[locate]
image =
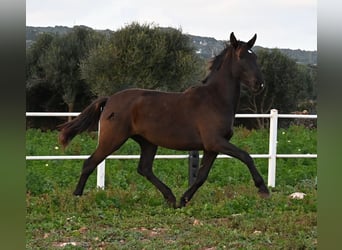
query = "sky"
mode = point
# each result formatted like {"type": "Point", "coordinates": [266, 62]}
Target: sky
{"type": "Point", "coordinates": [278, 23]}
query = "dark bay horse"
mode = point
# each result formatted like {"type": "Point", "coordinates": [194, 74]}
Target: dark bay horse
{"type": "Point", "coordinates": [200, 118]}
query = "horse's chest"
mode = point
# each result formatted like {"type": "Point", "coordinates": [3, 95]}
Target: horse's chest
{"type": "Point", "coordinates": [227, 127]}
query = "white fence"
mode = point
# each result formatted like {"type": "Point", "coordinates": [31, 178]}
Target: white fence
{"type": "Point", "coordinates": [272, 153]}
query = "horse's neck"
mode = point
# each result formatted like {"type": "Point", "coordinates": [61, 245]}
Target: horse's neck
{"type": "Point", "coordinates": [227, 89]}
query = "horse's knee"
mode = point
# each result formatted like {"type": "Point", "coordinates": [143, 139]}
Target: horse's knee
{"type": "Point", "coordinates": [247, 159]}
{"type": "Point", "coordinates": [144, 172]}
{"type": "Point", "coordinates": [140, 171]}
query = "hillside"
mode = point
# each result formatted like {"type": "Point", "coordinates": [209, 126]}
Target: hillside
{"type": "Point", "coordinates": [206, 47]}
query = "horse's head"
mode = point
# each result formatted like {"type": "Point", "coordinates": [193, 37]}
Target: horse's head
{"type": "Point", "coordinates": [245, 67]}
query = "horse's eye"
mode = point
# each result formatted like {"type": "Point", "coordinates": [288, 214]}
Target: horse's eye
{"type": "Point", "coordinates": [250, 52]}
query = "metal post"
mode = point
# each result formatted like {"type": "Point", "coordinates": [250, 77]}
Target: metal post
{"type": "Point", "coordinates": [272, 148]}
{"type": "Point", "coordinates": [101, 174]}
{"type": "Point", "coordinates": [193, 166]}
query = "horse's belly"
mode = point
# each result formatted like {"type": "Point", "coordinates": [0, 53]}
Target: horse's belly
{"type": "Point", "coordinates": [174, 137]}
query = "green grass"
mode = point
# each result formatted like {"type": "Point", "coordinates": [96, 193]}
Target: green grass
{"type": "Point", "coordinates": [225, 213]}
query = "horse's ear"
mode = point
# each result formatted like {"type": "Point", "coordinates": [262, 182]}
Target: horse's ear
{"type": "Point", "coordinates": [251, 42]}
{"type": "Point", "coordinates": [233, 40]}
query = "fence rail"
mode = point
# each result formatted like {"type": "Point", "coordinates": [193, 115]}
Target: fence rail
{"type": "Point", "coordinates": [272, 154]}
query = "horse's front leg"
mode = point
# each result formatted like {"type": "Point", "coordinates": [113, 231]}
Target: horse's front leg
{"type": "Point", "coordinates": [207, 161]}
{"type": "Point", "coordinates": [148, 151]}
{"type": "Point", "coordinates": [225, 147]}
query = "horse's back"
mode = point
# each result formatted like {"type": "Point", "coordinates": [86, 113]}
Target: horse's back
{"type": "Point", "coordinates": [138, 105]}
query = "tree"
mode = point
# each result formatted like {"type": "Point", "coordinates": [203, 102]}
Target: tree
{"type": "Point", "coordinates": [143, 56]}
{"type": "Point", "coordinates": [62, 62]}
{"type": "Point", "coordinates": [40, 95]}
{"type": "Point", "coordinates": [54, 60]}
{"type": "Point", "coordinates": [34, 68]}
{"type": "Point", "coordinates": [308, 95]}
{"type": "Point", "coordinates": [287, 84]}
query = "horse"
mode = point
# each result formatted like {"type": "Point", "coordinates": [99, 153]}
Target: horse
{"type": "Point", "coordinates": [200, 118]}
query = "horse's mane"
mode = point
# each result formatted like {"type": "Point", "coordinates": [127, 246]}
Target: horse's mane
{"type": "Point", "coordinates": [216, 62]}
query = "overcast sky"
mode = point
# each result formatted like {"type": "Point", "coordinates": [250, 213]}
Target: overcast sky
{"type": "Point", "coordinates": [278, 23]}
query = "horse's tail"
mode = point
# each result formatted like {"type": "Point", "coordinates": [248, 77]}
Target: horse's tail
{"type": "Point", "coordinates": [87, 120]}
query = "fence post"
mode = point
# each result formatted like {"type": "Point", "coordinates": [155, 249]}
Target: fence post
{"type": "Point", "coordinates": [101, 169]}
{"type": "Point", "coordinates": [272, 148]}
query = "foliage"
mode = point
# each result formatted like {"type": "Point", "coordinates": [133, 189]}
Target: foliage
{"type": "Point", "coordinates": [34, 66]}
{"type": "Point", "coordinates": [206, 47]}
{"type": "Point", "coordinates": [63, 59]}
{"type": "Point", "coordinates": [287, 87]}
{"type": "Point", "coordinates": [55, 61]}
{"type": "Point", "coordinates": [40, 94]}
{"type": "Point", "coordinates": [143, 56]}
{"type": "Point", "coordinates": [130, 213]}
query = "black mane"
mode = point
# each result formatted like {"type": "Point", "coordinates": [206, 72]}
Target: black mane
{"type": "Point", "coordinates": [216, 62]}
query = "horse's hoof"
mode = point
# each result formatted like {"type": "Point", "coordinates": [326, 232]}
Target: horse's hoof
{"type": "Point", "coordinates": [77, 193]}
{"type": "Point", "coordinates": [172, 203]}
{"type": "Point", "coordinates": [264, 195]}
{"type": "Point", "coordinates": [183, 202]}
{"type": "Point", "coordinates": [264, 192]}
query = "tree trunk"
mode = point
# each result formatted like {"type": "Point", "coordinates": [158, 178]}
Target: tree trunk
{"type": "Point", "coordinates": [70, 109]}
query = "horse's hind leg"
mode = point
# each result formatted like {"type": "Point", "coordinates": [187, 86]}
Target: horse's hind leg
{"type": "Point", "coordinates": [148, 151]}
{"type": "Point", "coordinates": [89, 166]}
{"type": "Point", "coordinates": [107, 145]}
{"type": "Point", "coordinates": [207, 162]}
